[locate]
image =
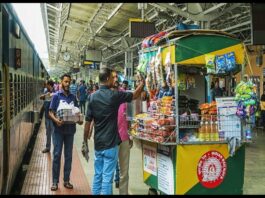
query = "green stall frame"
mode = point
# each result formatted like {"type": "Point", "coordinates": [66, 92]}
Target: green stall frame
{"type": "Point", "coordinates": [179, 168]}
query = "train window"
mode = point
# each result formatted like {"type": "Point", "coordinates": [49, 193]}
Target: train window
{"type": "Point", "coordinates": [1, 101]}
{"type": "Point", "coordinates": [31, 89]}
{"type": "Point", "coordinates": [11, 99]}
{"type": "Point", "coordinates": [19, 93]}
{"type": "Point", "coordinates": [15, 95]}
{"type": "Point", "coordinates": [24, 92]}
{"type": "Point", "coordinates": [28, 90]}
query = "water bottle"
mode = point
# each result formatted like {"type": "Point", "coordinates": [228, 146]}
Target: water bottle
{"type": "Point", "coordinates": [248, 134]}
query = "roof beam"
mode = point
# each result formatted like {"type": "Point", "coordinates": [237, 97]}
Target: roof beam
{"type": "Point", "coordinates": [214, 8]}
{"type": "Point", "coordinates": [73, 24]}
{"type": "Point", "coordinates": [199, 17]}
{"type": "Point", "coordinates": [90, 21]}
{"type": "Point", "coordinates": [45, 22]}
{"type": "Point", "coordinates": [236, 5]}
{"type": "Point", "coordinates": [236, 26]}
{"type": "Point", "coordinates": [240, 30]}
{"type": "Point", "coordinates": [150, 18]}
{"type": "Point", "coordinates": [109, 17]}
{"type": "Point", "coordinates": [53, 7]}
{"type": "Point", "coordinates": [62, 31]}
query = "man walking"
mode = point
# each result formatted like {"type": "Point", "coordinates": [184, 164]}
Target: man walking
{"type": "Point", "coordinates": [102, 109]}
{"type": "Point", "coordinates": [63, 135]}
{"type": "Point", "coordinates": [48, 122]}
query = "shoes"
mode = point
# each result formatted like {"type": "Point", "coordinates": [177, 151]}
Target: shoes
{"type": "Point", "coordinates": [54, 187]}
{"type": "Point", "coordinates": [68, 185]}
{"type": "Point", "coordinates": [117, 184]}
{"type": "Point", "coordinates": [46, 150]}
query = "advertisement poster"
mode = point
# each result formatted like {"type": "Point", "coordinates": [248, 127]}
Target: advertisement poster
{"type": "Point", "coordinates": [165, 170]}
{"type": "Point", "coordinates": [229, 124]}
{"type": "Point", "coordinates": [149, 155]}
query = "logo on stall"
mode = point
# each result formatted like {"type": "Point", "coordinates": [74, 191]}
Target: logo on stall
{"type": "Point", "coordinates": [211, 169]}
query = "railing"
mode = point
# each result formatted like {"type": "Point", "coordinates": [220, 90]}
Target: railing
{"type": "Point", "coordinates": [189, 129]}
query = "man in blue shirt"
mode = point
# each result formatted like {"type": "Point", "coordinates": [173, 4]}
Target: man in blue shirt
{"type": "Point", "coordinates": [102, 109]}
{"type": "Point", "coordinates": [82, 96]}
{"type": "Point", "coordinates": [63, 135]}
{"type": "Point", "coordinates": [73, 88]}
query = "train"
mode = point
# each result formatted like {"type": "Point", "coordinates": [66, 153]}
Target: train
{"type": "Point", "coordinates": [22, 76]}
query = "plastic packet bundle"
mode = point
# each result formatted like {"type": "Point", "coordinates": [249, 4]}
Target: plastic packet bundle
{"type": "Point", "coordinates": [210, 63]}
{"type": "Point", "coordinates": [220, 64]}
{"type": "Point", "coordinates": [230, 61]}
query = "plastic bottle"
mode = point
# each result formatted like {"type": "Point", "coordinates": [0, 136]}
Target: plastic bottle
{"type": "Point", "coordinates": [221, 135]}
{"type": "Point", "coordinates": [201, 131]}
{"type": "Point", "coordinates": [215, 134]}
{"type": "Point", "coordinates": [211, 131]}
{"type": "Point", "coordinates": [248, 134]}
{"type": "Point", "coordinates": [207, 130]}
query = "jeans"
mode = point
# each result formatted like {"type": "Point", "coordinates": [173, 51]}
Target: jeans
{"type": "Point", "coordinates": [49, 132]}
{"type": "Point", "coordinates": [117, 173]}
{"type": "Point", "coordinates": [104, 166]}
{"type": "Point", "coordinates": [67, 140]}
{"type": "Point", "coordinates": [82, 105]}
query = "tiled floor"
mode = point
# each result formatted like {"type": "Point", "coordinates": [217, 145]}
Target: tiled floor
{"type": "Point", "coordinates": [39, 181]}
{"type": "Point", "coordinates": [39, 175]}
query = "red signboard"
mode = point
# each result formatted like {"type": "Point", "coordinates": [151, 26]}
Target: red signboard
{"type": "Point", "coordinates": [211, 169]}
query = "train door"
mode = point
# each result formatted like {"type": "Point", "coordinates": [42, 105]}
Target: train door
{"type": "Point", "coordinates": [1, 103]}
{"type": "Point", "coordinates": [6, 105]}
{"type": "Point", "coordinates": [1, 125]}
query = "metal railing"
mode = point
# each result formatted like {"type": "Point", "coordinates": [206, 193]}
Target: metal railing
{"type": "Point", "coordinates": [192, 129]}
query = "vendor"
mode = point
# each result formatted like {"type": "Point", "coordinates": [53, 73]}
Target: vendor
{"type": "Point", "coordinates": [165, 91]}
{"type": "Point", "coordinates": [217, 91]}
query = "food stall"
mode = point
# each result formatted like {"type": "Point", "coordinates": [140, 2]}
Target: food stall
{"type": "Point", "coordinates": [189, 146]}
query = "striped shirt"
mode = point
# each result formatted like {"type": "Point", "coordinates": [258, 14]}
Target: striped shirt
{"type": "Point", "coordinates": [73, 89]}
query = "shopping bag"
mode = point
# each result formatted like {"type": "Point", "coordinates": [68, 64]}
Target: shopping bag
{"type": "Point", "coordinates": [64, 105]}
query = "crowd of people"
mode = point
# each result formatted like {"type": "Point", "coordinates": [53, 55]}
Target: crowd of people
{"type": "Point", "coordinates": [104, 107]}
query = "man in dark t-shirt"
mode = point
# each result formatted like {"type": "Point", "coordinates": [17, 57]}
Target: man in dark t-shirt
{"type": "Point", "coordinates": [102, 110]}
{"type": "Point", "coordinates": [217, 91]}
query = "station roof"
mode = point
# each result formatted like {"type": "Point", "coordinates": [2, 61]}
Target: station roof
{"type": "Point", "coordinates": [74, 27]}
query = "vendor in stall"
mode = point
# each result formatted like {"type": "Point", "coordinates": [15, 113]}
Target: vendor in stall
{"type": "Point", "coordinates": [217, 91]}
{"type": "Point", "coordinates": [165, 90]}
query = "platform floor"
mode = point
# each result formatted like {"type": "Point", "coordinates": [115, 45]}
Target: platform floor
{"type": "Point", "coordinates": [38, 178]}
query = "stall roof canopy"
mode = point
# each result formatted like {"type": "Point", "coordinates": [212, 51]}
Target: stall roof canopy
{"type": "Point", "coordinates": [189, 47]}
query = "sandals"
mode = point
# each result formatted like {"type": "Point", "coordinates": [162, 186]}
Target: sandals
{"type": "Point", "coordinates": [54, 187]}
{"type": "Point", "coordinates": [68, 185]}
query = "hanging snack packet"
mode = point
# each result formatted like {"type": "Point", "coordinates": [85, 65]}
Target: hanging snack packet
{"type": "Point", "coordinates": [182, 81]}
{"type": "Point", "coordinates": [230, 61]}
{"type": "Point", "coordinates": [210, 63]}
{"type": "Point", "coordinates": [220, 64]}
